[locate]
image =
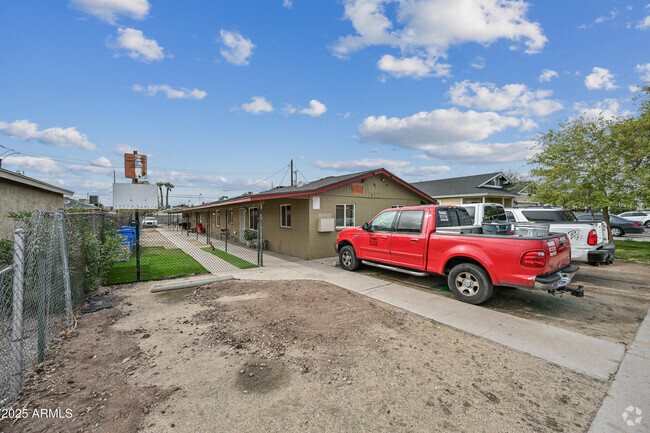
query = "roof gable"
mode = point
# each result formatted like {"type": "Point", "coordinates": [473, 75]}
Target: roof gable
{"type": "Point", "coordinates": [465, 185]}
{"type": "Point", "coordinates": [312, 188]}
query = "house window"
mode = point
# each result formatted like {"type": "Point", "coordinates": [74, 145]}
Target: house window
{"type": "Point", "coordinates": [230, 216]}
{"type": "Point", "coordinates": [218, 218]}
{"type": "Point", "coordinates": [253, 218]}
{"type": "Point", "coordinates": [285, 216]}
{"type": "Point", "coordinates": [345, 215]}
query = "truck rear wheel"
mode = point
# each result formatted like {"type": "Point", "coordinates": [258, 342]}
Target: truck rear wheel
{"type": "Point", "coordinates": [348, 258]}
{"type": "Point", "coordinates": [470, 283]}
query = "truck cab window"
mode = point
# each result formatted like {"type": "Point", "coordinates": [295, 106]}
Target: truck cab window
{"type": "Point", "coordinates": [383, 222]}
{"type": "Point", "coordinates": [410, 221]}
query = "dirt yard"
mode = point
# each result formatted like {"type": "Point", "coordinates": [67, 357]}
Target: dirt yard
{"type": "Point", "coordinates": [612, 309]}
{"type": "Point", "coordinates": [293, 356]}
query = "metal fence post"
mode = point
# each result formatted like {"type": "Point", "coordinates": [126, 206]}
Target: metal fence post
{"type": "Point", "coordinates": [17, 315]}
{"type": "Point", "coordinates": [137, 246]}
{"type": "Point", "coordinates": [260, 242]}
{"type": "Point", "coordinates": [66, 271]}
{"type": "Point", "coordinates": [40, 305]}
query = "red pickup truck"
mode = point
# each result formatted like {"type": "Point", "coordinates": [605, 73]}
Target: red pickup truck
{"type": "Point", "coordinates": [441, 240]}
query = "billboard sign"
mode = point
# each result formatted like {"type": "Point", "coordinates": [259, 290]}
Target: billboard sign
{"type": "Point", "coordinates": [135, 166]}
{"type": "Point", "coordinates": [135, 196]}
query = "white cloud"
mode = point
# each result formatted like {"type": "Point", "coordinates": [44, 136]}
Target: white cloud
{"type": "Point", "coordinates": [171, 93]}
{"type": "Point", "coordinates": [516, 98]}
{"type": "Point", "coordinates": [478, 62]}
{"type": "Point", "coordinates": [109, 10]}
{"type": "Point", "coordinates": [237, 49]}
{"type": "Point", "coordinates": [414, 67]}
{"type": "Point", "coordinates": [644, 71]}
{"type": "Point", "coordinates": [633, 88]}
{"type": "Point", "coordinates": [644, 24]}
{"type": "Point", "coordinates": [258, 105]}
{"type": "Point", "coordinates": [428, 28]}
{"type": "Point", "coordinates": [400, 168]}
{"type": "Point", "coordinates": [287, 4]}
{"type": "Point", "coordinates": [315, 109]}
{"type": "Point", "coordinates": [121, 149]}
{"type": "Point", "coordinates": [138, 47]}
{"type": "Point", "coordinates": [600, 78]}
{"type": "Point", "coordinates": [41, 164]}
{"type": "Point", "coordinates": [448, 134]}
{"type": "Point", "coordinates": [607, 109]}
{"type": "Point", "coordinates": [547, 75]}
{"type": "Point", "coordinates": [102, 161]}
{"type": "Point", "coordinates": [59, 137]}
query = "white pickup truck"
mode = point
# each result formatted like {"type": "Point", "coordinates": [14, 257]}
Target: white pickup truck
{"type": "Point", "coordinates": [590, 240]}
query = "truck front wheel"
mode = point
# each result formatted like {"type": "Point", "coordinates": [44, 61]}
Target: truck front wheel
{"type": "Point", "coordinates": [348, 258]}
{"type": "Point", "coordinates": [470, 283]}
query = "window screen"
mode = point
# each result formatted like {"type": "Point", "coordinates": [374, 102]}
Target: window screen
{"type": "Point", "coordinates": [410, 221]}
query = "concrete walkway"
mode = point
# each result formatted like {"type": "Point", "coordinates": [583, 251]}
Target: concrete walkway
{"type": "Point", "coordinates": [626, 407]}
{"type": "Point", "coordinates": [594, 357]}
{"type": "Point", "coordinates": [212, 263]}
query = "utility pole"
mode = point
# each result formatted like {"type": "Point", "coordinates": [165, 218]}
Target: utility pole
{"type": "Point", "coordinates": [292, 172]}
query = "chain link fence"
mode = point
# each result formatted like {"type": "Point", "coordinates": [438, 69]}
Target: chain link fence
{"type": "Point", "coordinates": [172, 246]}
{"type": "Point", "coordinates": [54, 261]}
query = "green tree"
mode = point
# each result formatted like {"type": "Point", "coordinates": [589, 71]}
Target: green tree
{"type": "Point", "coordinates": [595, 163]}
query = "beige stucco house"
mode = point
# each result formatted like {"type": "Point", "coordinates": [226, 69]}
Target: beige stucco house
{"type": "Point", "coordinates": [303, 220]}
{"type": "Point", "coordinates": [23, 193]}
{"type": "Point", "coordinates": [480, 188]}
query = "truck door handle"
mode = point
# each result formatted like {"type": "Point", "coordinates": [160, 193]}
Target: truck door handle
{"type": "Point", "coordinates": [383, 238]}
{"type": "Point", "coordinates": [414, 239]}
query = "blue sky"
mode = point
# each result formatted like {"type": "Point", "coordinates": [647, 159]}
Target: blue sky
{"type": "Point", "coordinates": [221, 95]}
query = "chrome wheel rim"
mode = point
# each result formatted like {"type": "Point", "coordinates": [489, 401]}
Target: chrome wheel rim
{"type": "Point", "coordinates": [616, 231]}
{"type": "Point", "coordinates": [467, 284]}
{"type": "Point", "coordinates": [346, 258]}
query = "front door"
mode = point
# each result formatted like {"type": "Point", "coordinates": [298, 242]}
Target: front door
{"type": "Point", "coordinates": [242, 224]}
{"type": "Point", "coordinates": [375, 243]}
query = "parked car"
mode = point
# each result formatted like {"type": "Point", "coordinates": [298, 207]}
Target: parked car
{"type": "Point", "coordinates": [590, 240]}
{"type": "Point", "coordinates": [617, 225]}
{"type": "Point", "coordinates": [150, 222]}
{"type": "Point", "coordinates": [641, 217]}
{"type": "Point", "coordinates": [415, 240]}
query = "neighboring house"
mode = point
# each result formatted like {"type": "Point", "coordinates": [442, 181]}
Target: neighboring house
{"type": "Point", "coordinates": [73, 203]}
{"type": "Point", "coordinates": [303, 220]}
{"type": "Point", "coordinates": [22, 193]}
{"type": "Point", "coordinates": [479, 188]}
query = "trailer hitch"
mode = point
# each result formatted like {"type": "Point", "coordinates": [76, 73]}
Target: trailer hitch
{"type": "Point", "coordinates": [578, 292]}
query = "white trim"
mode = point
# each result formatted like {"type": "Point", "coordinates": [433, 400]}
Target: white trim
{"type": "Point", "coordinates": [479, 194]}
{"type": "Point", "coordinates": [494, 177]}
{"type": "Point", "coordinates": [354, 205]}
{"type": "Point", "coordinates": [284, 206]}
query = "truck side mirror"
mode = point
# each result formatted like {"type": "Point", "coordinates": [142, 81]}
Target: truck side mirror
{"type": "Point", "coordinates": [365, 227]}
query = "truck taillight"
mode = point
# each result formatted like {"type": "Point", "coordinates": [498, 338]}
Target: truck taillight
{"type": "Point", "coordinates": [636, 224]}
{"type": "Point", "coordinates": [534, 258]}
{"type": "Point", "coordinates": [592, 238]}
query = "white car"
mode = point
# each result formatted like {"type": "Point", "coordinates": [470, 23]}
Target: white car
{"type": "Point", "coordinates": [150, 222]}
{"type": "Point", "coordinates": [641, 217]}
{"type": "Point", "coordinates": [590, 240]}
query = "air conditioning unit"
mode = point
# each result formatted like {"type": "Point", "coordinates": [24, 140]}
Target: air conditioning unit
{"type": "Point", "coordinates": [326, 225]}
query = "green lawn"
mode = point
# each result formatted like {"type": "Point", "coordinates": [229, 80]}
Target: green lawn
{"type": "Point", "coordinates": [633, 251]}
{"type": "Point", "coordinates": [233, 260]}
{"type": "Point", "coordinates": [156, 263]}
